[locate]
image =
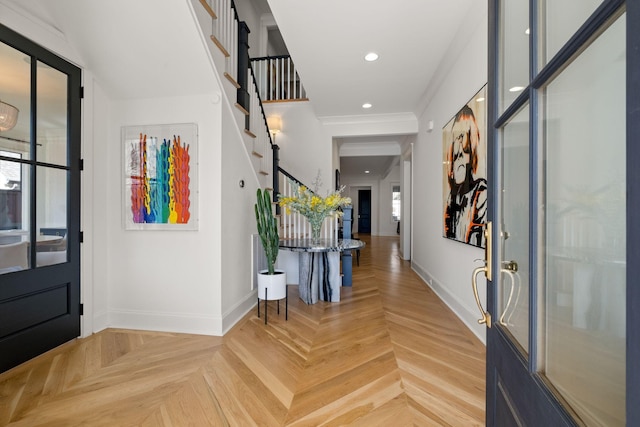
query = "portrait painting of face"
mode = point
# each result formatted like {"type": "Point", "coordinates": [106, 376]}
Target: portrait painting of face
{"type": "Point", "coordinates": [464, 192]}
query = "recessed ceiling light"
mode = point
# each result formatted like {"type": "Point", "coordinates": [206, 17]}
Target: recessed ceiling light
{"type": "Point", "coordinates": [366, 105]}
{"type": "Point", "coordinates": [516, 89]}
{"type": "Point", "coordinates": [371, 56]}
{"type": "Point", "coordinates": [481, 99]}
{"type": "Point", "coordinates": [527, 31]}
{"type": "Point", "coordinates": [367, 171]}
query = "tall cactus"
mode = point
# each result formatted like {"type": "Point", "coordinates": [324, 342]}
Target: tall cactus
{"type": "Point", "coordinates": [267, 228]}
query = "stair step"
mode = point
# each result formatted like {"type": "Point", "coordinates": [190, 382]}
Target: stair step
{"type": "Point", "coordinates": [232, 80]}
{"type": "Point", "coordinates": [241, 108]}
{"type": "Point", "coordinates": [208, 9]}
{"type": "Point", "coordinates": [251, 134]}
{"type": "Point", "coordinates": [255, 153]}
{"type": "Point", "coordinates": [220, 46]}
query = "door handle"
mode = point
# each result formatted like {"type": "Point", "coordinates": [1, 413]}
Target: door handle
{"type": "Point", "coordinates": [486, 269]}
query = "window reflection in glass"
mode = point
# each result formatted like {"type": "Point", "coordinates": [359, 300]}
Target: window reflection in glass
{"type": "Point", "coordinates": [562, 19]}
{"type": "Point", "coordinates": [513, 293]}
{"type": "Point", "coordinates": [52, 115]}
{"type": "Point", "coordinates": [514, 50]}
{"type": "Point", "coordinates": [585, 224]}
{"type": "Point", "coordinates": [51, 216]}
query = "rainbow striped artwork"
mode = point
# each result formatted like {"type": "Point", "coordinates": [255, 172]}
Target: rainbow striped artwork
{"type": "Point", "coordinates": [158, 179]}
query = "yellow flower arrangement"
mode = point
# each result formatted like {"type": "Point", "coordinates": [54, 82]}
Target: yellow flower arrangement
{"type": "Point", "coordinates": [314, 207]}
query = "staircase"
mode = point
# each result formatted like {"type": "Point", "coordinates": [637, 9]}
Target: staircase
{"type": "Point", "coordinates": [280, 82]}
{"type": "Point", "coordinates": [219, 22]}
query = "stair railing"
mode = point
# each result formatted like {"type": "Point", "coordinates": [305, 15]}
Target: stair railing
{"type": "Point", "coordinates": [295, 225]}
{"type": "Point", "coordinates": [278, 79]}
{"type": "Point", "coordinates": [224, 33]}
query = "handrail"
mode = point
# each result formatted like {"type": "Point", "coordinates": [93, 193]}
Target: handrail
{"type": "Point", "coordinates": [262, 58]}
{"type": "Point", "coordinates": [288, 175]}
{"type": "Point", "coordinates": [264, 116]}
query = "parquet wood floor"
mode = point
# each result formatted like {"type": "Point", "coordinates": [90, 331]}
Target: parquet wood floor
{"type": "Point", "coordinates": [389, 354]}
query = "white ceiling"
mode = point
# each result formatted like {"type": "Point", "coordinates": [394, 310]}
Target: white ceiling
{"type": "Point", "coordinates": [327, 40]}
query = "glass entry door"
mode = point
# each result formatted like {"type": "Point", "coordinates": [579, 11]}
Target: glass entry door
{"type": "Point", "coordinates": [556, 350]}
{"type": "Point", "coordinates": [39, 200]}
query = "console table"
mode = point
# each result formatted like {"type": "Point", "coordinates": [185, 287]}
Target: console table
{"type": "Point", "coordinates": [319, 266]}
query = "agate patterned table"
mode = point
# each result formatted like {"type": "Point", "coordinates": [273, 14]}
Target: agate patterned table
{"type": "Point", "coordinates": [319, 266]}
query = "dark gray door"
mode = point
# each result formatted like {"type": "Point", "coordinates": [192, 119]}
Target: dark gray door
{"type": "Point", "coordinates": [562, 339]}
{"type": "Point", "coordinates": [364, 211]}
{"type": "Point", "coordinates": [39, 200]}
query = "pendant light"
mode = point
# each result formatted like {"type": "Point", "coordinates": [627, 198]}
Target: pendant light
{"type": "Point", "coordinates": [8, 116]}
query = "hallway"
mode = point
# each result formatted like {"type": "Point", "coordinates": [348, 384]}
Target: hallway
{"type": "Point", "coordinates": [389, 354]}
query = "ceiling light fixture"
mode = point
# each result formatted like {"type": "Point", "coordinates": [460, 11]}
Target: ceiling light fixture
{"type": "Point", "coordinates": [516, 89]}
{"type": "Point", "coordinates": [527, 31]}
{"type": "Point", "coordinates": [366, 105]}
{"type": "Point", "coordinates": [371, 56]}
{"type": "Point", "coordinates": [8, 116]}
{"type": "Point", "coordinates": [367, 171]}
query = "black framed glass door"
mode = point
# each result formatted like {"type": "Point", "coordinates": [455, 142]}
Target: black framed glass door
{"type": "Point", "coordinates": [564, 244]}
{"type": "Point", "coordinates": [39, 199]}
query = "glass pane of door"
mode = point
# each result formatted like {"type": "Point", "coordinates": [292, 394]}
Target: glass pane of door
{"type": "Point", "coordinates": [15, 178]}
{"type": "Point", "coordinates": [51, 213]}
{"type": "Point", "coordinates": [514, 50]}
{"type": "Point", "coordinates": [513, 294]}
{"type": "Point", "coordinates": [52, 115]}
{"type": "Point", "coordinates": [562, 19]}
{"type": "Point", "coordinates": [14, 215]}
{"type": "Point", "coordinates": [15, 101]}
{"type": "Point", "coordinates": [584, 221]}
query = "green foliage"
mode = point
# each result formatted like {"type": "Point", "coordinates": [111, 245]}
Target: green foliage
{"type": "Point", "coordinates": [267, 227]}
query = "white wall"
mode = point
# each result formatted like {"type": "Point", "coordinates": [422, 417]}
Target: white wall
{"type": "Point", "coordinates": [444, 264]}
{"type": "Point", "coordinates": [96, 274]}
{"type": "Point", "coordinates": [238, 224]}
{"type": "Point", "coordinates": [166, 280]}
{"type": "Point", "coordinates": [406, 220]}
{"type": "Point", "coordinates": [305, 145]}
{"type": "Point", "coordinates": [248, 14]}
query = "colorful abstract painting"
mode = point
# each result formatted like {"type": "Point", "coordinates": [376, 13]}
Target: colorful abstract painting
{"type": "Point", "coordinates": [464, 147]}
{"type": "Point", "coordinates": [160, 165]}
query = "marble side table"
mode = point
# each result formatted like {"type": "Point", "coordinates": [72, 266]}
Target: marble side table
{"type": "Point", "coordinates": [319, 266]}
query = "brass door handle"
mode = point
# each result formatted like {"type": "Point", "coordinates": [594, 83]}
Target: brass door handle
{"type": "Point", "coordinates": [486, 317]}
{"type": "Point", "coordinates": [486, 269]}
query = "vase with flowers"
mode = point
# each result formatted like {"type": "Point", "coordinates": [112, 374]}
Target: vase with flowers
{"type": "Point", "coordinates": [313, 206]}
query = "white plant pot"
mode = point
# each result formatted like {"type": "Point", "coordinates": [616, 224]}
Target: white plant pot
{"type": "Point", "coordinates": [274, 284]}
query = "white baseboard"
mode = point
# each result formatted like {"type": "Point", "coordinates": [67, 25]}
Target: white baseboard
{"type": "Point", "coordinates": [165, 322]}
{"type": "Point", "coordinates": [100, 321]}
{"type": "Point", "coordinates": [469, 318]}
{"type": "Point", "coordinates": [233, 315]}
